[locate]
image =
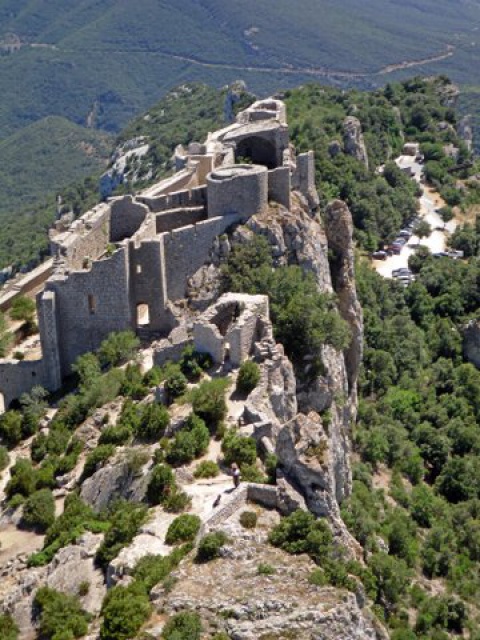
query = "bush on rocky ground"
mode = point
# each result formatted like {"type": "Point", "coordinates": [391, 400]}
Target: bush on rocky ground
{"type": "Point", "coordinates": [206, 469]}
{"type": "Point", "coordinates": [248, 377]}
{"type": "Point", "coordinates": [183, 529]}
{"type": "Point", "coordinates": [124, 611]}
{"type": "Point", "coordinates": [39, 511]}
{"type": "Point", "coordinates": [248, 519]}
{"type": "Point", "coordinates": [210, 546]}
{"type": "Point", "coordinates": [183, 626]}
{"type": "Point", "coordinates": [61, 616]}
{"type": "Point", "coordinates": [8, 628]}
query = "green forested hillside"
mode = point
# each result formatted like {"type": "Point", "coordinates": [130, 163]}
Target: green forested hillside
{"type": "Point", "coordinates": [117, 57]}
{"type": "Point", "coordinates": [46, 156]}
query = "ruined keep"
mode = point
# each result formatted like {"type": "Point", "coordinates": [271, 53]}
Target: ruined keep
{"type": "Point", "coordinates": [124, 264]}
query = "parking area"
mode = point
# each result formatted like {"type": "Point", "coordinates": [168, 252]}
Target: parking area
{"type": "Point", "coordinates": [429, 203]}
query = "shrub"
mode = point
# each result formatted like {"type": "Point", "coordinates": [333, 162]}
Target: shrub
{"type": "Point", "coordinates": [4, 458]}
{"type": "Point", "coordinates": [193, 363]}
{"type": "Point", "coordinates": [39, 510]}
{"type": "Point", "coordinates": [118, 348]}
{"type": "Point", "coordinates": [162, 483]}
{"type": "Point", "coordinates": [239, 449]}
{"type": "Point", "coordinates": [265, 570]}
{"type": "Point", "coordinates": [300, 532]}
{"type": "Point", "coordinates": [22, 479]}
{"type": "Point", "coordinates": [318, 578]}
{"type": "Point", "coordinates": [175, 383]}
{"type": "Point", "coordinates": [8, 628]}
{"type": "Point", "coordinates": [183, 529]}
{"type": "Point", "coordinates": [154, 419]}
{"type": "Point", "coordinates": [248, 377]}
{"type": "Point", "coordinates": [210, 546]}
{"type": "Point", "coordinates": [125, 523]}
{"type": "Point", "coordinates": [248, 519]}
{"type": "Point", "coordinates": [183, 626]}
{"type": "Point", "coordinates": [177, 502]}
{"type": "Point", "coordinates": [151, 570]}
{"type": "Point", "coordinates": [209, 403]}
{"type": "Point", "coordinates": [11, 428]}
{"type": "Point", "coordinates": [83, 588]}
{"type": "Point", "coordinates": [116, 435]}
{"type": "Point", "coordinates": [133, 385]}
{"type": "Point", "coordinates": [96, 459]}
{"type": "Point", "coordinates": [189, 443]}
{"type": "Point", "coordinates": [153, 377]}
{"type": "Point", "coordinates": [251, 473]}
{"type": "Point", "coordinates": [124, 611]}
{"type": "Point", "coordinates": [76, 518]}
{"type": "Point", "coordinates": [61, 616]}
{"type": "Point", "coordinates": [207, 469]}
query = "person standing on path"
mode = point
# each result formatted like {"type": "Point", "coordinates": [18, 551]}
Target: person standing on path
{"type": "Point", "coordinates": [235, 474]}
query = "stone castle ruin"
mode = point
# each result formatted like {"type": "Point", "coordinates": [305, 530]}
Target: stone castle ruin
{"type": "Point", "coordinates": [124, 264]}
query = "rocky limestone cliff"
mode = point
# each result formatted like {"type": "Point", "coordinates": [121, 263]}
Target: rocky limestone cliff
{"type": "Point", "coordinates": [328, 404]}
{"type": "Point", "coordinates": [353, 141]}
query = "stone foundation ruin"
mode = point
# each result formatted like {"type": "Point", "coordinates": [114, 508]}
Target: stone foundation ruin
{"type": "Point", "coordinates": [127, 261]}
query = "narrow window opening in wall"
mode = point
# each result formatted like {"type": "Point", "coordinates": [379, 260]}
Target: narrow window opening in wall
{"type": "Point", "coordinates": [92, 305]}
{"type": "Point", "coordinates": [139, 268]}
{"type": "Point", "coordinates": [33, 374]}
{"type": "Point", "coordinates": [143, 315]}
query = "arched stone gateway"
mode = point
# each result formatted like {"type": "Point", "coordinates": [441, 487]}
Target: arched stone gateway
{"type": "Point", "coordinates": [257, 150]}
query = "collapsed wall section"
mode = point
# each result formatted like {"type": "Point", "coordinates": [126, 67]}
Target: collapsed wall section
{"type": "Point", "coordinates": [86, 239]}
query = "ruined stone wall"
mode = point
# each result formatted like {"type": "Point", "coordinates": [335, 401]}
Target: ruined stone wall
{"type": "Point", "coordinates": [171, 220]}
{"type": "Point", "coordinates": [240, 190]}
{"type": "Point", "coordinates": [90, 305]}
{"type": "Point", "coordinates": [50, 339]}
{"type": "Point", "coordinates": [87, 237]}
{"type": "Point", "coordinates": [279, 187]}
{"type": "Point", "coordinates": [186, 249]}
{"type": "Point", "coordinates": [147, 283]}
{"type": "Point", "coordinates": [196, 197]}
{"type": "Point", "coordinates": [127, 216]}
{"type": "Point", "coordinates": [27, 284]}
{"type": "Point", "coordinates": [17, 377]}
{"type": "Point", "coordinates": [208, 339]}
{"type": "Point", "coordinates": [304, 178]}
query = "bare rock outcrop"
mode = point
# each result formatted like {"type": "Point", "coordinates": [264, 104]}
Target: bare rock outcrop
{"type": "Point", "coordinates": [120, 478]}
{"type": "Point", "coordinates": [353, 141]}
{"type": "Point", "coordinates": [232, 596]}
{"type": "Point", "coordinates": [71, 566]}
{"type": "Point", "coordinates": [339, 228]}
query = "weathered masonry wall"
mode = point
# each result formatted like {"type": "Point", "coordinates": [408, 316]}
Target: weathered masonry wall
{"type": "Point", "coordinates": [196, 197]}
{"type": "Point", "coordinates": [127, 216]}
{"type": "Point", "coordinates": [19, 377]}
{"type": "Point", "coordinates": [186, 250]}
{"type": "Point", "coordinates": [90, 305]}
{"type": "Point", "coordinates": [30, 282]}
{"type": "Point", "coordinates": [88, 237]}
{"type": "Point", "coordinates": [50, 338]}
{"type": "Point", "coordinates": [147, 285]}
{"type": "Point", "coordinates": [171, 220]}
{"type": "Point", "coordinates": [239, 190]}
{"type": "Point", "coordinates": [279, 187]}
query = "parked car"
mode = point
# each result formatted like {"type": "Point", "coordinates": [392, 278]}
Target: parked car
{"type": "Point", "coordinates": [379, 255]}
{"type": "Point", "coordinates": [404, 233]}
{"type": "Point", "coordinates": [401, 272]}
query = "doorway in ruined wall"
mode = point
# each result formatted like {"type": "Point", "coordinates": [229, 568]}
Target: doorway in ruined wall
{"type": "Point", "coordinates": [258, 151]}
{"type": "Point", "coordinates": [143, 315]}
{"type": "Point", "coordinates": [2, 403]}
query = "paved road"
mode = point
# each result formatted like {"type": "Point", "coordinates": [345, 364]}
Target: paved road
{"type": "Point", "coordinates": [436, 242]}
